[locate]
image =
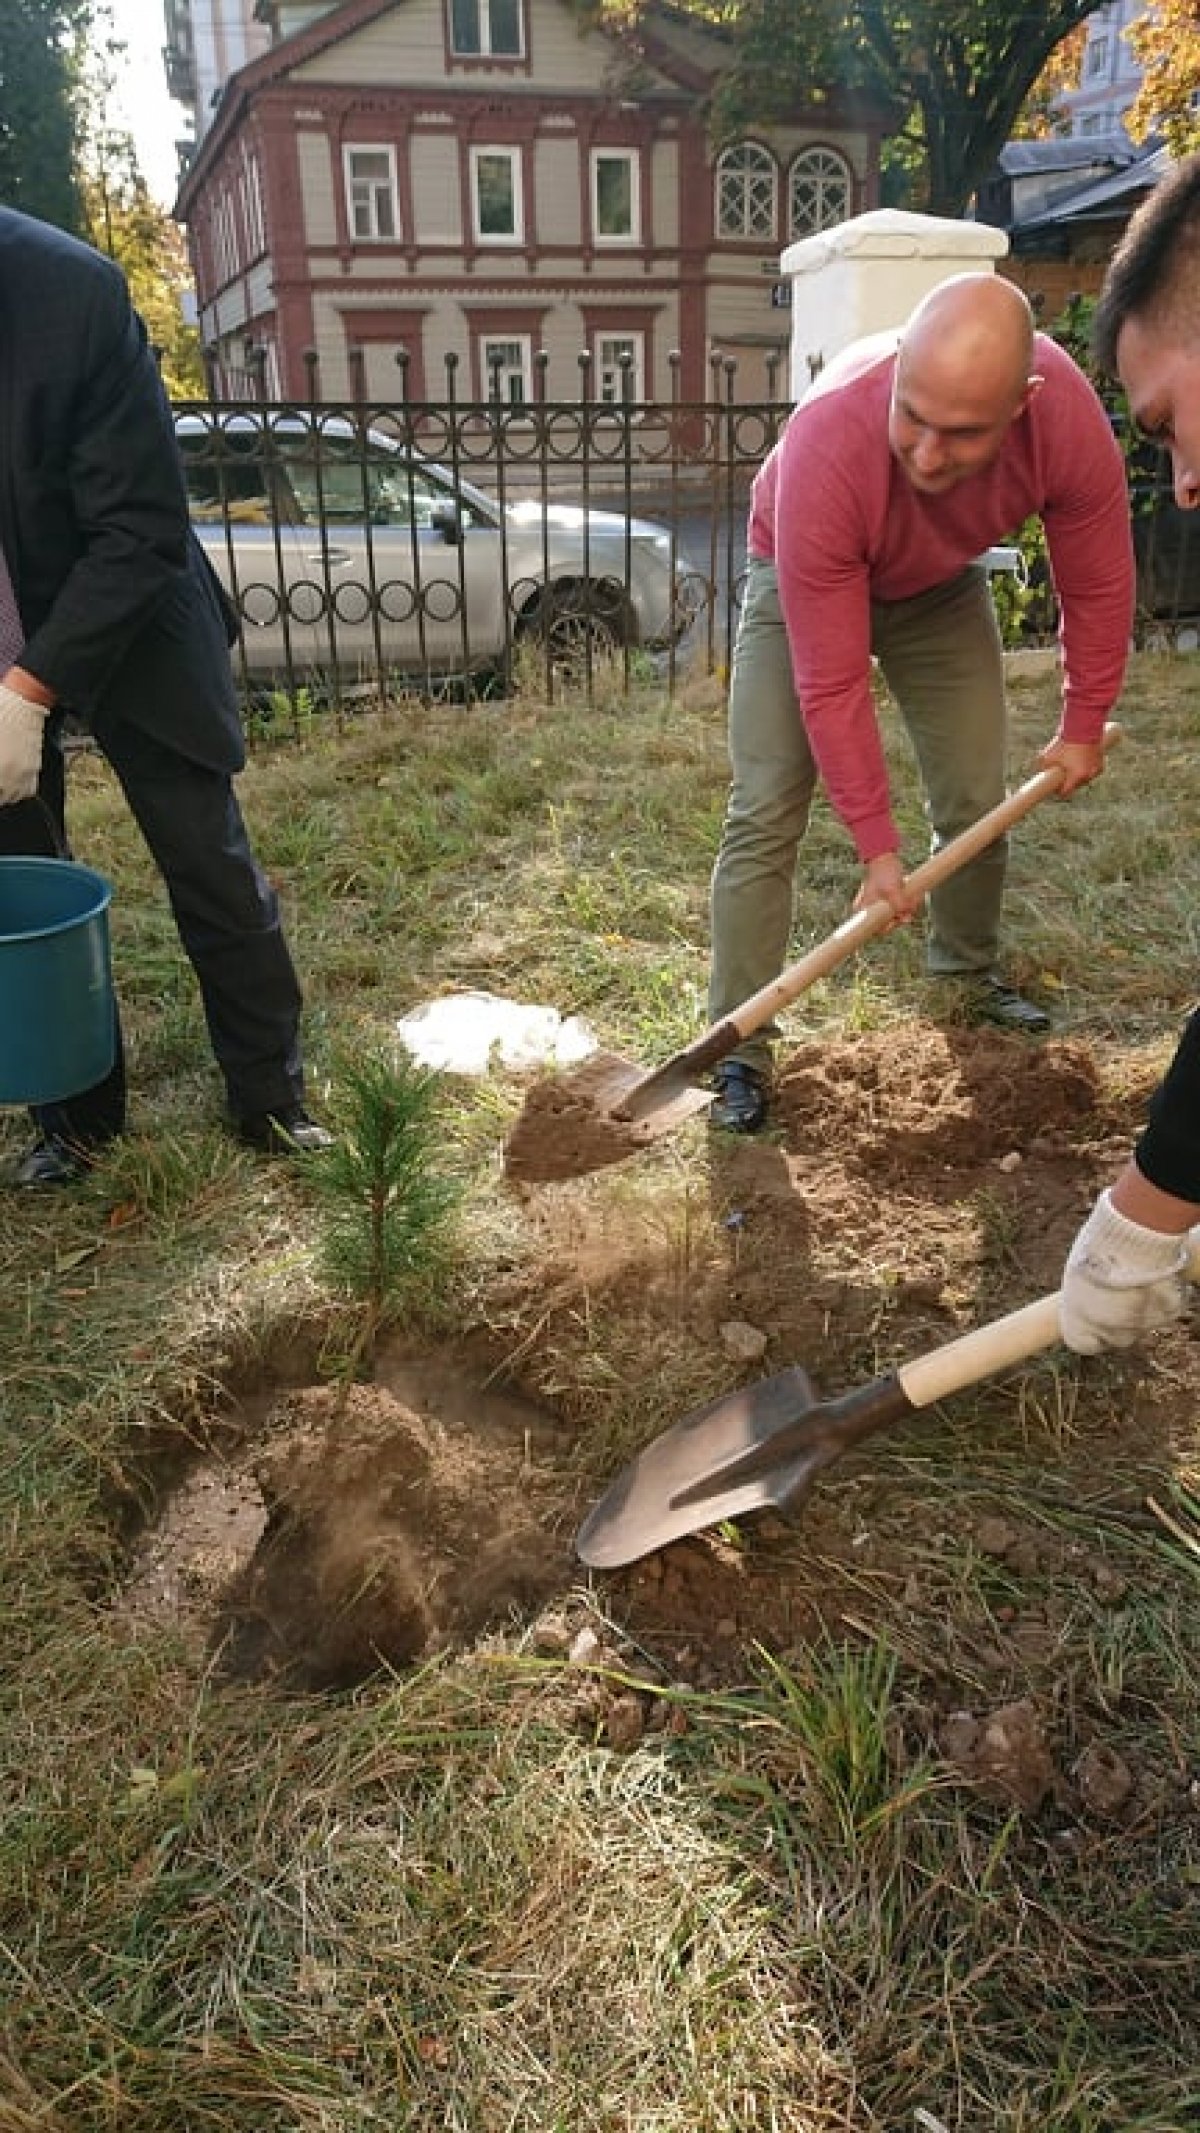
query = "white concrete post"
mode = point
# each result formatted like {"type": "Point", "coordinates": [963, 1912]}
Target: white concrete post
{"type": "Point", "coordinates": [867, 274]}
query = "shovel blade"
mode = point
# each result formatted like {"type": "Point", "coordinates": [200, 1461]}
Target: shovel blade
{"type": "Point", "coordinates": [688, 1478]}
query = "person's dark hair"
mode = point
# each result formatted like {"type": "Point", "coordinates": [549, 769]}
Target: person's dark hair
{"type": "Point", "coordinates": [1155, 270]}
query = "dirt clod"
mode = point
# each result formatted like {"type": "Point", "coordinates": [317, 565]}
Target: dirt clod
{"type": "Point", "coordinates": [1004, 1753]}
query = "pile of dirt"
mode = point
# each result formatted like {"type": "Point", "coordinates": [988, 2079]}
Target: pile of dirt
{"type": "Point", "coordinates": [571, 1125]}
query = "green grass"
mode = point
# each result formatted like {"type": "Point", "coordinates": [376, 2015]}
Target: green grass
{"type": "Point", "coordinates": [445, 1902]}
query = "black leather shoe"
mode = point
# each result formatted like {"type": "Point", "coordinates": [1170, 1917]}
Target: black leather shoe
{"type": "Point", "coordinates": [51, 1162]}
{"type": "Point", "coordinates": [993, 1001]}
{"type": "Point", "coordinates": [740, 1104]}
{"type": "Point", "coordinates": [287, 1131]}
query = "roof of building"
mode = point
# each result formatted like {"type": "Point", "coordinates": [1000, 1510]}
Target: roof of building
{"type": "Point", "coordinates": [1020, 159]}
{"type": "Point", "coordinates": [1102, 198]}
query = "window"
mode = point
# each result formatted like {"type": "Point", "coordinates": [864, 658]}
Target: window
{"type": "Point", "coordinates": [496, 194]}
{"type": "Point", "coordinates": [487, 28]}
{"type": "Point", "coordinates": [1097, 57]}
{"type": "Point", "coordinates": [619, 355]}
{"type": "Point", "coordinates": [225, 472]}
{"type": "Point", "coordinates": [505, 368]}
{"type": "Point", "coordinates": [371, 207]}
{"type": "Point", "coordinates": [224, 237]}
{"type": "Point", "coordinates": [615, 190]}
{"type": "Point", "coordinates": [819, 191]}
{"type": "Point", "coordinates": [746, 192]}
{"type": "Point", "coordinates": [252, 205]}
{"type": "Point", "coordinates": [334, 484]}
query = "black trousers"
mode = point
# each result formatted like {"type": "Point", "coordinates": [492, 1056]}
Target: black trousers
{"type": "Point", "coordinates": [226, 912]}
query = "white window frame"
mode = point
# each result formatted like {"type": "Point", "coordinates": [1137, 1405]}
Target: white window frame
{"type": "Point", "coordinates": [367, 193]}
{"type": "Point", "coordinates": [825, 169]}
{"type": "Point", "coordinates": [486, 47]}
{"type": "Point", "coordinates": [521, 370]}
{"type": "Point", "coordinates": [606, 352]}
{"type": "Point", "coordinates": [1096, 58]}
{"type": "Point", "coordinates": [513, 158]}
{"type": "Point", "coordinates": [225, 249]}
{"type": "Point", "coordinates": [752, 229]}
{"type": "Point", "coordinates": [252, 205]}
{"type": "Point", "coordinates": [633, 164]}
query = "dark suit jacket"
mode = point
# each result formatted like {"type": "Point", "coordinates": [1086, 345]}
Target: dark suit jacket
{"type": "Point", "coordinates": [123, 616]}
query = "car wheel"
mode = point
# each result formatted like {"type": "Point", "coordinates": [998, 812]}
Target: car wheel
{"type": "Point", "coordinates": [580, 624]}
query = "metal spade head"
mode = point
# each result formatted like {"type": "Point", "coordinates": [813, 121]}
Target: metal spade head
{"type": "Point", "coordinates": [719, 1462]}
{"type": "Point", "coordinates": [756, 1449]}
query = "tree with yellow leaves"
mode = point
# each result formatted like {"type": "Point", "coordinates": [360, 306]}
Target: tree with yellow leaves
{"type": "Point", "coordinates": [1165, 41]}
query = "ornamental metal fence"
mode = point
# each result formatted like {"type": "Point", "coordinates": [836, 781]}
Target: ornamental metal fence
{"type": "Point", "coordinates": [459, 547]}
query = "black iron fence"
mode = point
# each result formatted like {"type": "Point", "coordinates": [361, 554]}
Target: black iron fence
{"type": "Point", "coordinates": [421, 547]}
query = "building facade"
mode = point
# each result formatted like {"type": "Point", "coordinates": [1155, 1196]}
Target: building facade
{"type": "Point", "coordinates": [486, 181]}
{"type": "Point", "coordinates": [206, 41]}
{"type": "Point", "coordinates": [1109, 75]}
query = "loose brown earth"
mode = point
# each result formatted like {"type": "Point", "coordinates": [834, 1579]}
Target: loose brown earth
{"type": "Point", "coordinates": [439, 1502]}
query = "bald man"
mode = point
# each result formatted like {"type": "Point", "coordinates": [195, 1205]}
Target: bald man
{"type": "Point", "coordinates": [910, 455]}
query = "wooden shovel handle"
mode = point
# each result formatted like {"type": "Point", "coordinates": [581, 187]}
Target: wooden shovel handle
{"type": "Point", "coordinates": [863, 925]}
{"type": "Point", "coordinates": [995, 1347]}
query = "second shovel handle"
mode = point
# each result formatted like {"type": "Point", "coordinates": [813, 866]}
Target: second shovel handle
{"type": "Point", "coordinates": [996, 1346]}
{"type": "Point", "coordinates": [862, 926]}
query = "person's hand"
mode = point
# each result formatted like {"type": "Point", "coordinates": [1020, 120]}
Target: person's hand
{"type": "Point", "coordinates": [883, 882]}
{"type": "Point", "coordinates": [1079, 761]}
{"type": "Point", "coordinates": [22, 727]}
{"type": "Point", "coordinates": [1121, 1281]}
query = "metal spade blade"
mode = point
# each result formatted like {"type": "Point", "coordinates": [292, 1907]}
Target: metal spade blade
{"type": "Point", "coordinates": [757, 1449]}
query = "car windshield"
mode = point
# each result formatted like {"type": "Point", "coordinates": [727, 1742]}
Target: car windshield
{"type": "Point", "coordinates": [252, 474]}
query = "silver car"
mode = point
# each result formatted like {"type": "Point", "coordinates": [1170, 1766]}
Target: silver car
{"type": "Point", "coordinates": [346, 555]}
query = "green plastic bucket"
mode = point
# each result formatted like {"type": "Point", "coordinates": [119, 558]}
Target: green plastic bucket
{"type": "Point", "coordinates": [57, 1019]}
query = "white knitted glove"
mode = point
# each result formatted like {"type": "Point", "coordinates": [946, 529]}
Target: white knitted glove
{"type": "Point", "coordinates": [21, 730]}
{"type": "Point", "coordinates": [1120, 1281]}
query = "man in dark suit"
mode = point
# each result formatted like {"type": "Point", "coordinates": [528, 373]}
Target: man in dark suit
{"type": "Point", "coordinates": [109, 611]}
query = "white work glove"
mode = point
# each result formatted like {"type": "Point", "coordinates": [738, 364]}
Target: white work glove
{"type": "Point", "coordinates": [1120, 1281]}
{"type": "Point", "coordinates": [22, 725]}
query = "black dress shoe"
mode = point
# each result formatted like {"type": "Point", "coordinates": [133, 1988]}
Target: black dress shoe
{"type": "Point", "coordinates": [287, 1131]}
{"type": "Point", "coordinates": [51, 1162]}
{"type": "Point", "coordinates": [740, 1104]}
{"type": "Point", "coordinates": [991, 1000]}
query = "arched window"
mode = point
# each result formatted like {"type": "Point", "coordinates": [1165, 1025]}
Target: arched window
{"type": "Point", "coordinates": [746, 192]}
{"type": "Point", "coordinates": [820, 189]}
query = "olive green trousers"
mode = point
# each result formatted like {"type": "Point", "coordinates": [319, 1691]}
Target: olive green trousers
{"type": "Point", "coordinates": [941, 657]}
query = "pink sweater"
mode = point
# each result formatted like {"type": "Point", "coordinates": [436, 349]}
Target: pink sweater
{"type": "Point", "coordinates": [842, 524]}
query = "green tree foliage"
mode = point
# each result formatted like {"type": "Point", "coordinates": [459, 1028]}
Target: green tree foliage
{"type": "Point", "coordinates": [123, 220]}
{"type": "Point", "coordinates": [41, 43]}
{"type": "Point", "coordinates": [953, 74]}
{"type": "Point", "coordinates": [121, 217]}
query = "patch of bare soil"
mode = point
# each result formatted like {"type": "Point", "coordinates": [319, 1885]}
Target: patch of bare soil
{"type": "Point", "coordinates": [437, 1502]}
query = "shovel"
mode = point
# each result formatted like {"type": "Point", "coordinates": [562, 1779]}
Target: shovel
{"type": "Point", "coordinates": [761, 1448]}
{"type": "Point", "coordinates": [578, 1122]}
